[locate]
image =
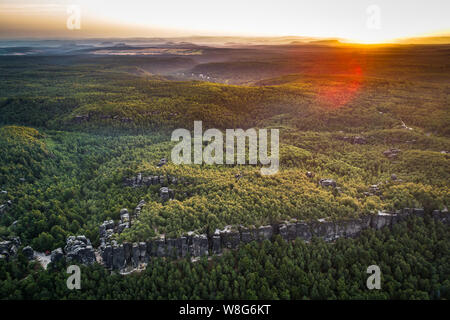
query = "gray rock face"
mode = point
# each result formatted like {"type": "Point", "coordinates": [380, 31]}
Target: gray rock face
{"type": "Point", "coordinates": [216, 247]}
{"type": "Point", "coordinates": [391, 153]}
{"type": "Point", "coordinates": [359, 140]}
{"type": "Point", "coordinates": [418, 212]}
{"type": "Point", "coordinates": [310, 174]}
{"type": "Point", "coordinates": [28, 252]}
{"type": "Point", "coordinates": [171, 247]}
{"type": "Point", "coordinates": [265, 233]}
{"type": "Point", "coordinates": [381, 220]}
{"type": "Point", "coordinates": [121, 227]}
{"type": "Point", "coordinates": [135, 253]}
{"type": "Point", "coordinates": [351, 228]}
{"type": "Point", "coordinates": [162, 162]}
{"type": "Point", "coordinates": [107, 256]}
{"type": "Point", "coordinates": [324, 229]}
{"type": "Point", "coordinates": [127, 251]}
{"type": "Point", "coordinates": [119, 261]}
{"type": "Point", "coordinates": [399, 216]}
{"type": "Point", "coordinates": [56, 255]}
{"type": "Point", "coordinates": [327, 183]}
{"type": "Point", "coordinates": [124, 216]}
{"type": "Point", "coordinates": [106, 225]}
{"type": "Point", "coordinates": [164, 194]}
{"type": "Point", "coordinates": [79, 249]}
{"type": "Point", "coordinates": [9, 248]}
{"type": "Point", "coordinates": [160, 247]}
{"type": "Point", "coordinates": [199, 245]}
{"type": "Point", "coordinates": [230, 239]}
{"type": "Point", "coordinates": [248, 235]}
{"type": "Point", "coordinates": [143, 257]}
{"type": "Point", "coordinates": [184, 246]}
{"type": "Point", "coordinates": [117, 257]}
{"type": "Point", "coordinates": [5, 247]}
{"type": "Point", "coordinates": [282, 230]}
{"type": "Point", "coordinates": [137, 210]}
{"type": "Point", "coordinates": [442, 216]}
{"type": "Point", "coordinates": [303, 231]}
{"type": "Point", "coordinates": [291, 231]}
{"type": "Point", "coordinates": [150, 252]}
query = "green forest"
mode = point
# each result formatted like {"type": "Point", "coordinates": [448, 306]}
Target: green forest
{"type": "Point", "coordinates": [73, 130]}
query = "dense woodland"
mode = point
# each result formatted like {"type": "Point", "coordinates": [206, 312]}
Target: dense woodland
{"type": "Point", "coordinates": [413, 259]}
{"type": "Point", "coordinates": [71, 131]}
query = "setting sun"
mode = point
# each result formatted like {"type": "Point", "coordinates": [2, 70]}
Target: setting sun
{"type": "Point", "coordinates": [361, 22]}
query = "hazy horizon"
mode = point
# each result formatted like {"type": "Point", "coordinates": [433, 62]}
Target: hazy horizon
{"type": "Point", "coordinates": [363, 22]}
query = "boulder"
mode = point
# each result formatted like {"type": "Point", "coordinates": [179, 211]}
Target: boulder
{"type": "Point", "coordinates": [391, 153]}
{"type": "Point", "coordinates": [162, 162]}
{"type": "Point", "coordinates": [56, 255]}
{"type": "Point", "coordinates": [359, 140]}
{"type": "Point", "coordinates": [164, 194]}
{"type": "Point", "coordinates": [28, 252]}
{"type": "Point", "coordinates": [122, 227]}
{"type": "Point", "coordinates": [106, 225]}
{"type": "Point", "coordinates": [124, 216]}
{"type": "Point", "coordinates": [327, 183]}
{"type": "Point", "coordinates": [79, 249]}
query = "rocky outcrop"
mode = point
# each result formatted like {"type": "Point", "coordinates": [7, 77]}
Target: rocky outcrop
{"type": "Point", "coordinates": [4, 207]}
{"type": "Point", "coordinates": [56, 255]}
{"type": "Point", "coordinates": [9, 248]}
{"type": "Point", "coordinates": [230, 238]}
{"type": "Point", "coordinates": [162, 162]}
{"type": "Point", "coordinates": [166, 194]}
{"type": "Point", "coordinates": [28, 252]}
{"type": "Point", "coordinates": [353, 140]}
{"type": "Point", "coordinates": [391, 153]}
{"type": "Point", "coordinates": [79, 249]}
{"type": "Point", "coordinates": [327, 183]}
{"type": "Point", "coordinates": [118, 257]}
{"type": "Point", "coordinates": [148, 180]}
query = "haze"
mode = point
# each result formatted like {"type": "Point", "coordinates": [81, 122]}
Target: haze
{"type": "Point", "coordinates": [320, 18]}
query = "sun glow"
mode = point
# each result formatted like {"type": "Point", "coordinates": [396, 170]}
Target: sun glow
{"type": "Point", "coordinates": [354, 21]}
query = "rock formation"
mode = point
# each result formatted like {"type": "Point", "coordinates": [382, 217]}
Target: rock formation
{"type": "Point", "coordinates": [79, 249]}
{"type": "Point", "coordinates": [120, 256]}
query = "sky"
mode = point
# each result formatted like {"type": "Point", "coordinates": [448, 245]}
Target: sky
{"type": "Point", "coordinates": [362, 21]}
